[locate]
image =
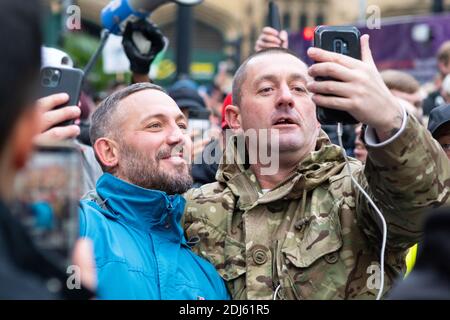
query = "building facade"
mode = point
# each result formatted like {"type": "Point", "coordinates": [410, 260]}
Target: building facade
{"type": "Point", "coordinates": [228, 29]}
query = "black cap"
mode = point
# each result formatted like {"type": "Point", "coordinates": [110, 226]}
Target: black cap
{"type": "Point", "coordinates": [438, 117]}
{"type": "Point", "coordinates": [188, 98]}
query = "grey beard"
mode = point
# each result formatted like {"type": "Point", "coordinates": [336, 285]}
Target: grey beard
{"type": "Point", "coordinates": [138, 169]}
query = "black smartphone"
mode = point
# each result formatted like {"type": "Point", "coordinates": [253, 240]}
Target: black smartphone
{"type": "Point", "coordinates": [57, 80]}
{"type": "Point", "coordinates": [343, 40]}
{"type": "Point", "coordinates": [46, 198]}
{"type": "Point", "coordinates": [274, 16]}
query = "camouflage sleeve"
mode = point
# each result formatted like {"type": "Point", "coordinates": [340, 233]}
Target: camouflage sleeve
{"type": "Point", "coordinates": [186, 219]}
{"type": "Point", "coordinates": [404, 178]}
{"type": "Point", "coordinates": [192, 211]}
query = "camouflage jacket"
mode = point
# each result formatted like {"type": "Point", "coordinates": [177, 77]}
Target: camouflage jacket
{"type": "Point", "coordinates": [314, 236]}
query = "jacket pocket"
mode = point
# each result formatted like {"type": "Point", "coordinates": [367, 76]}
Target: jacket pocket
{"type": "Point", "coordinates": [312, 259]}
{"type": "Point", "coordinates": [316, 237]}
{"type": "Point", "coordinates": [225, 253]}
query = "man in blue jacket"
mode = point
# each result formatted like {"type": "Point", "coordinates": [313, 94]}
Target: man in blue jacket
{"type": "Point", "coordinates": [133, 217]}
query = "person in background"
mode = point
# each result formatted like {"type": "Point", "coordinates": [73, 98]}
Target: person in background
{"type": "Point", "coordinates": [445, 90]}
{"type": "Point", "coordinates": [407, 90]}
{"type": "Point", "coordinates": [25, 272]}
{"type": "Point", "coordinates": [188, 100]}
{"type": "Point", "coordinates": [206, 164]}
{"type": "Point", "coordinates": [404, 86]}
{"type": "Point", "coordinates": [435, 98]}
{"type": "Point", "coordinates": [193, 106]}
{"type": "Point", "coordinates": [439, 126]}
{"type": "Point", "coordinates": [218, 91]}
{"type": "Point", "coordinates": [430, 279]}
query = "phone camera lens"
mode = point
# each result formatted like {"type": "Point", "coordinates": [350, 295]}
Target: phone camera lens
{"type": "Point", "coordinates": [45, 81]}
{"type": "Point", "coordinates": [48, 73]}
{"type": "Point", "coordinates": [55, 78]}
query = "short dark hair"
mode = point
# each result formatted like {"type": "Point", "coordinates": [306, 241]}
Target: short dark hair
{"type": "Point", "coordinates": [102, 118]}
{"type": "Point", "coordinates": [443, 54]}
{"type": "Point", "coordinates": [241, 73]}
{"type": "Point", "coordinates": [443, 130]}
{"type": "Point", "coordinates": [20, 60]}
{"type": "Point", "coordinates": [400, 81]}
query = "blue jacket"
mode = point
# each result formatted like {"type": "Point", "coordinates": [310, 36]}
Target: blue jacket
{"type": "Point", "coordinates": [140, 249]}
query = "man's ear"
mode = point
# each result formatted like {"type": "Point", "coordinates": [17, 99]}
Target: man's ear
{"type": "Point", "coordinates": [22, 135]}
{"type": "Point", "coordinates": [107, 152]}
{"type": "Point", "coordinates": [233, 117]}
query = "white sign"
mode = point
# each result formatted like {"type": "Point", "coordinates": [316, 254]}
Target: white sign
{"type": "Point", "coordinates": [114, 57]}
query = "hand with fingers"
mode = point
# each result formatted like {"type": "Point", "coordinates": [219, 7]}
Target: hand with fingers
{"type": "Point", "coordinates": [51, 118]}
{"type": "Point", "coordinates": [270, 38]}
{"type": "Point", "coordinates": [142, 41]}
{"type": "Point", "coordinates": [198, 143]}
{"type": "Point", "coordinates": [83, 257]}
{"type": "Point", "coordinates": [356, 87]}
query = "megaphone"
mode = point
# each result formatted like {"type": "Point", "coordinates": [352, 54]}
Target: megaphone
{"type": "Point", "coordinates": [117, 13]}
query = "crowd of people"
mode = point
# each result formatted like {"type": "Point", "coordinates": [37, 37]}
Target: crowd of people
{"type": "Point", "coordinates": [172, 212]}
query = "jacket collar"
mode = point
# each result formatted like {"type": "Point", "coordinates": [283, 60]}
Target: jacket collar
{"type": "Point", "coordinates": [144, 209]}
{"type": "Point", "coordinates": [325, 161]}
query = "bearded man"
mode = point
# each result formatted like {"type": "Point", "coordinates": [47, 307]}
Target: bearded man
{"type": "Point", "coordinates": [133, 216]}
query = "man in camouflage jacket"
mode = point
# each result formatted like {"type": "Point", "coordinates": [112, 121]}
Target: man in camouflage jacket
{"type": "Point", "coordinates": [307, 232]}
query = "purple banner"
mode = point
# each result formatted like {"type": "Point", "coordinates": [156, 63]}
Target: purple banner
{"type": "Point", "coordinates": [404, 43]}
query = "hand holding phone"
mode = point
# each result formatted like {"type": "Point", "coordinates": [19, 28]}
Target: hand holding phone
{"type": "Point", "coordinates": [271, 38]}
{"type": "Point", "coordinates": [51, 118]}
{"type": "Point", "coordinates": [356, 87]}
{"type": "Point", "coordinates": [343, 40]}
{"type": "Point", "coordinates": [62, 80]}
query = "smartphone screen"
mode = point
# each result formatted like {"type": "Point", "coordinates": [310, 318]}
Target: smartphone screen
{"type": "Point", "coordinates": [46, 197]}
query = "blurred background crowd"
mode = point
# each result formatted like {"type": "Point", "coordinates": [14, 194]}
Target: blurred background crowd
{"type": "Point", "coordinates": [204, 45]}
